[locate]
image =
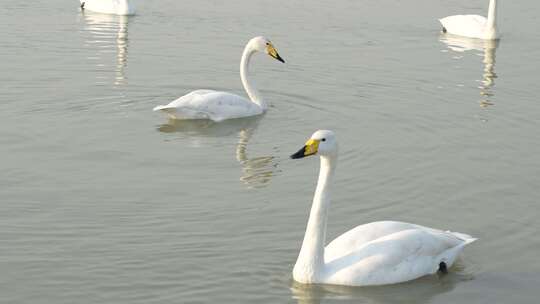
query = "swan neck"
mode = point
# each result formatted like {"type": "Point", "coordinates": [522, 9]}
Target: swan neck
{"type": "Point", "coordinates": [249, 86]}
{"type": "Point", "coordinates": [492, 14]}
{"type": "Point", "coordinates": [310, 263]}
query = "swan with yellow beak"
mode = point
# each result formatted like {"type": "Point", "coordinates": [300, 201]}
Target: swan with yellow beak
{"type": "Point", "coordinates": [377, 253]}
{"type": "Point", "coordinates": [219, 106]}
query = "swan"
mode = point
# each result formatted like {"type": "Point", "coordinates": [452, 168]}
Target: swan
{"type": "Point", "coordinates": [473, 26]}
{"type": "Point", "coordinates": [377, 253]}
{"type": "Point", "coordinates": [219, 106]}
{"type": "Point", "coordinates": [115, 7]}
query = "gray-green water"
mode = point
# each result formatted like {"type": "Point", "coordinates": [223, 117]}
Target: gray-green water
{"type": "Point", "coordinates": [104, 201]}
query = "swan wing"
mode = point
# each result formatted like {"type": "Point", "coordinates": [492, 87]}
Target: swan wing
{"type": "Point", "coordinates": [209, 104]}
{"type": "Point", "coordinates": [465, 25]}
{"type": "Point", "coordinates": [357, 237]}
{"type": "Point", "coordinates": [392, 252]}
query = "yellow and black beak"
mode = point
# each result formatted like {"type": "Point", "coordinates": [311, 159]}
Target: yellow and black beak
{"type": "Point", "coordinates": [311, 148]}
{"type": "Point", "coordinates": [271, 50]}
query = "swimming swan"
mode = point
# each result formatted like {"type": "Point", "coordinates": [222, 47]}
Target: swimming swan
{"type": "Point", "coordinates": [377, 253]}
{"type": "Point", "coordinates": [115, 7]}
{"type": "Point", "coordinates": [473, 26]}
{"type": "Point", "coordinates": [218, 106]}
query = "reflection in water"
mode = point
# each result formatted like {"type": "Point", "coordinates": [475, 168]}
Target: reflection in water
{"type": "Point", "coordinates": [489, 47]}
{"type": "Point", "coordinates": [109, 32]}
{"type": "Point", "coordinates": [418, 291]}
{"type": "Point", "coordinates": [256, 171]}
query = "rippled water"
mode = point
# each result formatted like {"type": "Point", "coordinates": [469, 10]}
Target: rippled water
{"type": "Point", "coordinates": [102, 200]}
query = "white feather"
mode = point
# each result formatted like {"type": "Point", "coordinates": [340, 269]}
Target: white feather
{"type": "Point", "coordinates": [209, 104]}
{"type": "Point", "coordinates": [389, 252]}
{"type": "Point", "coordinates": [115, 7]}
{"type": "Point", "coordinates": [473, 26]}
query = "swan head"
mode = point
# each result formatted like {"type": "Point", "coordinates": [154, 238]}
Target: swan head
{"type": "Point", "coordinates": [263, 45]}
{"type": "Point", "coordinates": [322, 142]}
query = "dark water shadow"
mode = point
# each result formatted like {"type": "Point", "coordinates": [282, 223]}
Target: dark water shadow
{"type": "Point", "coordinates": [485, 48]}
{"type": "Point", "coordinates": [257, 171]}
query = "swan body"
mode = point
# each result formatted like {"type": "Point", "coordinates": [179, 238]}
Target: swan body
{"type": "Point", "coordinates": [115, 7]}
{"type": "Point", "coordinates": [219, 106]}
{"type": "Point", "coordinates": [377, 253]}
{"type": "Point", "coordinates": [212, 105]}
{"type": "Point", "coordinates": [473, 26]}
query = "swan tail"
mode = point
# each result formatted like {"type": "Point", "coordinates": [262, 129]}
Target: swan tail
{"type": "Point", "coordinates": [467, 239]}
{"type": "Point", "coordinates": [164, 108]}
{"type": "Point", "coordinates": [447, 258]}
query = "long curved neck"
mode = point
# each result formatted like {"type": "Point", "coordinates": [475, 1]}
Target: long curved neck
{"type": "Point", "coordinates": [252, 92]}
{"type": "Point", "coordinates": [310, 262]}
{"type": "Point", "coordinates": [492, 15]}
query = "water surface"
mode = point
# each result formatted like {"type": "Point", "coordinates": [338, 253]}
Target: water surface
{"type": "Point", "coordinates": [102, 200]}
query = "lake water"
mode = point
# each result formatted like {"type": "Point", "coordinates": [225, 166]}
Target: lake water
{"type": "Point", "coordinates": [104, 201]}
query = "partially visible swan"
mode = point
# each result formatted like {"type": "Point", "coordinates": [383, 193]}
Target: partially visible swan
{"type": "Point", "coordinates": [115, 7]}
{"type": "Point", "coordinates": [473, 26]}
{"type": "Point", "coordinates": [377, 253]}
{"type": "Point", "coordinates": [218, 106]}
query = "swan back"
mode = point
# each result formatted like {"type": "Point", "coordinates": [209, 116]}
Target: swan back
{"type": "Point", "coordinates": [115, 7]}
{"type": "Point", "coordinates": [390, 252]}
{"type": "Point", "coordinates": [473, 26]}
{"type": "Point", "coordinates": [210, 104]}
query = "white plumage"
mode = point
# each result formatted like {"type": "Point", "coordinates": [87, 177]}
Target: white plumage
{"type": "Point", "coordinates": [210, 104]}
{"type": "Point", "coordinates": [219, 106]}
{"type": "Point", "coordinates": [377, 253]}
{"type": "Point", "coordinates": [389, 252]}
{"type": "Point", "coordinates": [115, 7]}
{"type": "Point", "coordinates": [473, 26]}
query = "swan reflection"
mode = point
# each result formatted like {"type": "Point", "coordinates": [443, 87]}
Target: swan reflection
{"type": "Point", "coordinates": [487, 48]}
{"type": "Point", "coordinates": [422, 290]}
{"type": "Point", "coordinates": [108, 34]}
{"type": "Point", "coordinates": [256, 171]}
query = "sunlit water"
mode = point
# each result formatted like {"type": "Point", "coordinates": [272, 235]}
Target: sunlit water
{"type": "Point", "coordinates": [104, 201]}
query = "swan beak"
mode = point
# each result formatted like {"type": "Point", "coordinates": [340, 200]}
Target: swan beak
{"type": "Point", "coordinates": [310, 148]}
{"type": "Point", "coordinates": [271, 50]}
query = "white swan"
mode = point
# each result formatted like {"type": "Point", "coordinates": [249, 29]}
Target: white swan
{"type": "Point", "coordinates": [473, 26]}
{"type": "Point", "coordinates": [115, 7]}
{"type": "Point", "coordinates": [371, 254]}
{"type": "Point", "coordinates": [218, 106]}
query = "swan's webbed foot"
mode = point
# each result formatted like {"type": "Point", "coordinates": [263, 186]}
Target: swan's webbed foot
{"type": "Point", "coordinates": [442, 268]}
{"type": "Point", "coordinates": [444, 29]}
{"type": "Point", "coordinates": [82, 5]}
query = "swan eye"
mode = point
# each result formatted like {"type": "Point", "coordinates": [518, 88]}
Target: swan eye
{"type": "Point", "coordinates": [324, 139]}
